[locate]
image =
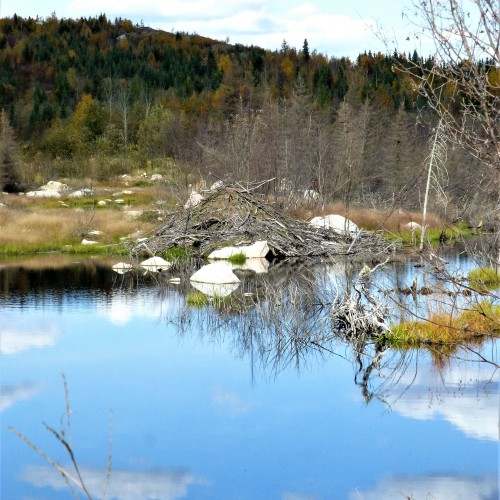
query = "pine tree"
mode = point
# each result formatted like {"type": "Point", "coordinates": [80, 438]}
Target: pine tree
{"type": "Point", "coordinates": [9, 175]}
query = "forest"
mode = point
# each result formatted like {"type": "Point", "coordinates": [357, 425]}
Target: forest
{"type": "Point", "coordinates": [95, 98]}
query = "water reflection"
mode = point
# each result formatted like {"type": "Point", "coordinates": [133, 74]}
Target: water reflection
{"type": "Point", "coordinates": [265, 388]}
{"type": "Point", "coordinates": [121, 485]}
{"type": "Point", "coordinates": [453, 487]}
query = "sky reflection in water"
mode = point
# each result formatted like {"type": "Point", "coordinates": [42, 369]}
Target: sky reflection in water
{"type": "Point", "coordinates": [199, 415]}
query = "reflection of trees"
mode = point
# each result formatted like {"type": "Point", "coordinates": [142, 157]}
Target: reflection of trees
{"type": "Point", "coordinates": [296, 316]}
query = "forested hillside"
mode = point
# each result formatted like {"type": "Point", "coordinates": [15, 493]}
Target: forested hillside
{"type": "Point", "coordinates": [95, 98]}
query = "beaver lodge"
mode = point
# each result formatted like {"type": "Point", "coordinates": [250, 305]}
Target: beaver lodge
{"type": "Point", "coordinates": [235, 215]}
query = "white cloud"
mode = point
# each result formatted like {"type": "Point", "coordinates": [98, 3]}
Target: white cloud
{"type": "Point", "coordinates": [123, 485]}
{"type": "Point", "coordinates": [10, 395]}
{"type": "Point", "coordinates": [230, 402]}
{"type": "Point", "coordinates": [435, 487]}
{"type": "Point", "coordinates": [123, 308]}
{"type": "Point", "coordinates": [13, 341]}
{"type": "Point", "coordinates": [464, 395]}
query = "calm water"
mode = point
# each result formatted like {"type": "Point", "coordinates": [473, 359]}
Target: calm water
{"type": "Point", "coordinates": [215, 403]}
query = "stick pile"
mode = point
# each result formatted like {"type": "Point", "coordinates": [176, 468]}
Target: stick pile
{"type": "Point", "coordinates": [234, 215]}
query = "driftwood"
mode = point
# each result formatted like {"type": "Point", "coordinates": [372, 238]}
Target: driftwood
{"type": "Point", "coordinates": [234, 215]}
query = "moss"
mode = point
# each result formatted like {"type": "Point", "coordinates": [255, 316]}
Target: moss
{"type": "Point", "coordinates": [237, 258]}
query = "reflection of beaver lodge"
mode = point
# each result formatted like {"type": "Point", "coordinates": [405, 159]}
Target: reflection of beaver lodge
{"type": "Point", "coordinates": [234, 215]}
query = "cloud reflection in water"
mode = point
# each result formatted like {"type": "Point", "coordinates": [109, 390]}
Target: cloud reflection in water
{"type": "Point", "coordinates": [123, 485]}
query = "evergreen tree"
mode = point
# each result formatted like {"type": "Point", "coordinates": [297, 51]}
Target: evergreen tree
{"type": "Point", "coordinates": [9, 175]}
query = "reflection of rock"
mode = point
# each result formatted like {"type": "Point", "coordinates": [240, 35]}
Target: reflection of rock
{"type": "Point", "coordinates": [156, 264]}
{"type": "Point", "coordinates": [450, 487]}
{"type": "Point", "coordinates": [123, 485]}
{"type": "Point", "coordinates": [258, 266]}
{"type": "Point", "coordinates": [217, 273]}
{"type": "Point", "coordinates": [256, 251]}
{"type": "Point", "coordinates": [215, 289]}
{"type": "Point", "coordinates": [122, 267]}
{"type": "Point", "coordinates": [336, 223]}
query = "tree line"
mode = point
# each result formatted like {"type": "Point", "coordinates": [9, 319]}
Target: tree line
{"type": "Point", "coordinates": [352, 131]}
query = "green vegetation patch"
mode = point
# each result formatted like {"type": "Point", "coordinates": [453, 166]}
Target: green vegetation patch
{"type": "Point", "coordinates": [480, 321]}
{"type": "Point", "coordinates": [484, 279]}
{"type": "Point", "coordinates": [237, 258]}
{"type": "Point", "coordinates": [196, 299]}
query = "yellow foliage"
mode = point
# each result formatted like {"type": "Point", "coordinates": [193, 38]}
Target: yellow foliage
{"type": "Point", "coordinates": [226, 66]}
{"type": "Point", "coordinates": [288, 69]}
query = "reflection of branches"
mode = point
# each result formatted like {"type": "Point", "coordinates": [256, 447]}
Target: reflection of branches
{"type": "Point", "coordinates": [64, 438]}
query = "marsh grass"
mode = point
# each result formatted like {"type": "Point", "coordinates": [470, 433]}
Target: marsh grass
{"type": "Point", "coordinates": [482, 320]}
{"type": "Point", "coordinates": [25, 230]}
{"type": "Point", "coordinates": [484, 279]}
{"type": "Point", "coordinates": [197, 300]}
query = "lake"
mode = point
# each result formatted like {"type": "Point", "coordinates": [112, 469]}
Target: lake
{"type": "Point", "coordinates": [231, 399]}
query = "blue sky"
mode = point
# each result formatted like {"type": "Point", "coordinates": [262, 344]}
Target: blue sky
{"type": "Point", "coordinates": [332, 27]}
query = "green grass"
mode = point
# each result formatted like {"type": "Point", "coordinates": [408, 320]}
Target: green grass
{"type": "Point", "coordinates": [177, 254]}
{"type": "Point", "coordinates": [481, 321]}
{"type": "Point", "coordinates": [237, 258]}
{"type": "Point", "coordinates": [433, 235]}
{"type": "Point", "coordinates": [484, 279]}
{"type": "Point", "coordinates": [197, 299]}
{"type": "Point", "coordinates": [61, 247]}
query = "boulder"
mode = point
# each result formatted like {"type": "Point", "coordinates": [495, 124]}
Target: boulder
{"type": "Point", "coordinates": [217, 185]}
{"type": "Point", "coordinates": [81, 193]}
{"type": "Point", "coordinates": [59, 187]}
{"type": "Point", "coordinates": [132, 214]}
{"type": "Point", "coordinates": [89, 242]}
{"type": "Point", "coordinates": [336, 223]}
{"type": "Point", "coordinates": [156, 264]}
{"type": "Point", "coordinates": [46, 193]}
{"type": "Point", "coordinates": [194, 199]}
{"type": "Point", "coordinates": [156, 177]}
{"type": "Point", "coordinates": [258, 250]}
{"type": "Point", "coordinates": [217, 272]}
{"type": "Point", "coordinates": [101, 203]}
{"type": "Point", "coordinates": [411, 226]}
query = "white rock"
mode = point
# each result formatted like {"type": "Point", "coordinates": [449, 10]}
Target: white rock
{"type": "Point", "coordinates": [120, 201]}
{"type": "Point", "coordinates": [175, 281]}
{"type": "Point", "coordinates": [216, 185]}
{"type": "Point", "coordinates": [156, 264]}
{"type": "Point", "coordinates": [81, 193]}
{"type": "Point", "coordinates": [194, 199]}
{"type": "Point", "coordinates": [94, 232]}
{"type": "Point", "coordinates": [132, 214]}
{"type": "Point", "coordinates": [140, 240]}
{"type": "Point", "coordinates": [101, 203]}
{"type": "Point", "coordinates": [55, 186]}
{"type": "Point", "coordinates": [336, 223]}
{"type": "Point", "coordinates": [89, 242]}
{"type": "Point", "coordinates": [255, 251]}
{"type": "Point", "coordinates": [122, 267]}
{"type": "Point", "coordinates": [43, 194]}
{"type": "Point", "coordinates": [156, 177]}
{"type": "Point", "coordinates": [127, 191]}
{"type": "Point", "coordinates": [412, 226]}
{"type": "Point", "coordinates": [217, 272]}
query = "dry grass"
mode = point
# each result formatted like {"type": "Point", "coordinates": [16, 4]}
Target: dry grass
{"type": "Point", "coordinates": [480, 321]}
{"type": "Point", "coordinates": [373, 219]}
{"type": "Point", "coordinates": [24, 227]}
